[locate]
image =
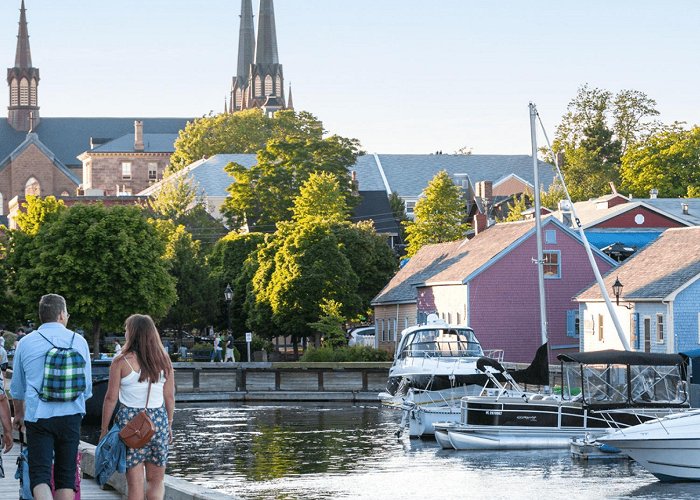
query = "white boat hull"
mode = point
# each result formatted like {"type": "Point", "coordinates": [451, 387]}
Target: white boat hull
{"type": "Point", "coordinates": [669, 447]}
{"type": "Point", "coordinates": [422, 420]}
{"type": "Point", "coordinates": [483, 438]}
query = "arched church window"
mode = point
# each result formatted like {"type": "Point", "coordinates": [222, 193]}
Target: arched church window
{"type": "Point", "coordinates": [32, 93]}
{"type": "Point", "coordinates": [14, 92]}
{"type": "Point", "coordinates": [32, 187]}
{"type": "Point", "coordinates": [23, 92]}
{"type": "Point", "coordinates": [64, 193]}
{"type": "Point", "coordinates": [278, 86]}
{"type": "Point", "coordinates": [239, 98]}
{"type": "Point", "coordinates": [268, 85]}
{"type": "Point", "coordinates": [258, 87]}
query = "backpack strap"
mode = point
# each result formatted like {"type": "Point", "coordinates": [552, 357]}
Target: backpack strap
{"type": "Point", "coordinates": [47, 340]}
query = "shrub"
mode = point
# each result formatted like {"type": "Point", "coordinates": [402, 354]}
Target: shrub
{"type": "Point", "coordinates": [345, 354]}
{"type": "Point", "coordinates": [203, 346]}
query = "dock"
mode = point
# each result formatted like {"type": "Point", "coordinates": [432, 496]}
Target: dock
{"type": "Point", "coordinates": [9, 486]}
{"type": "Point", "coordinates": [175, 488]}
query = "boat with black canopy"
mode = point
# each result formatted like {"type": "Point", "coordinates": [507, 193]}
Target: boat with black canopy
{"type": "Point", "coordinates": [601, 391]}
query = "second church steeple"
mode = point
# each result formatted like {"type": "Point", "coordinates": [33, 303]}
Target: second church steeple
{"type": "Point", "coordinates": [23, 82]}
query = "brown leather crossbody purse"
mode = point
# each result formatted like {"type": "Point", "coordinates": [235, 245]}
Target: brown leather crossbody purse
{"type": "Point", "coordinates": [138, 432]}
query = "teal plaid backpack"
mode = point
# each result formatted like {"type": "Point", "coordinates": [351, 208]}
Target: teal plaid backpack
{"type": "Point", "coordinates": [64, 373]}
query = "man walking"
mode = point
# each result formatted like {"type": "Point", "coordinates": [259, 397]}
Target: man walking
{"type": "Point", "coordinates": [229, 348]}
{"type": "Point", "coordinates": [52, 404]}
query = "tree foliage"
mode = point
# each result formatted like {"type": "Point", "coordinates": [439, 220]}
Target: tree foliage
{"type": "Point", "coordinates": [36, 211]}
{"type": "Point", "coordinates": [244, 131]}
{"type": "Point", "coordinates": [667, 160]}
{"type": "Point", "coordinates": [439, 215]}
{"type": "Point", "coordinates": [107, 262]}
{"type": "Point", "coordinates": [263, 195]}
{"type": "Point", "coordinates": [197, 296]}
{"type": "Point", "coordinates": [320, 198]}
{"type": "Point", "coordinates": [595, 132]}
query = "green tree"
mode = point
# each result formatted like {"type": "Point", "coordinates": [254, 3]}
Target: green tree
{"type": "Point", "coordinates": [321, 198]}
{"type": "Point", "coordinates": [197, 295]}
{"type": "Point", "coordinates": [329, 327]}
{"type": "Point", "coordinates": [517, 207]}
{"type": "Point", "coordinates": [177, 195]}
{"type": "Point", "coordinates": [439, 215]}
{"type": "Point", "coordinates": [595, 132]}
{"type": "Point", "coordinates": [667, 160]}
{"type": "Point", "coordinates": [227, 263]}
{"type": "Point", "coordinates": [554, 194]}
{"type": "Point", "coordinates": [36, 211]}
{"type": "Point", "coordinates": [245, 131]}
{"type": "Point", "coordinates": [107, 262]}
{"type": "Point", "coordinates": [263, 195]}
{"type": "Point", "coordinates": [398, 209]}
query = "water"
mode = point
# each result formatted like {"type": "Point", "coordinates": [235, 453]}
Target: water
{"type": "Point", "coordinates": [336, 451]}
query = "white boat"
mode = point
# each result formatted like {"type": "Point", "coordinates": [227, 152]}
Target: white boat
{"type": "Point", "coordinates": [420, 416]}
{"type": "Point", "coordinates": [434, 364]}
{"type": "Point", "coordinates": [668, 447]}
{"type": "Point", "coordinates": [601, 391]}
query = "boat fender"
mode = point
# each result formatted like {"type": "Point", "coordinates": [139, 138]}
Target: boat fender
{"type": "Point", "coordinates": [606, 448]}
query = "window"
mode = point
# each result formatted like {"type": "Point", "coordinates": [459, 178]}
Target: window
{"type": "Point", "coordinates": [258, 87]}
{"type": "Point", "coordinates": [458, 318]}
{"type": "Point", "coordinates": [410, 205]}
{"type": "Point", "coordinates": [600, 327]}
{"type": "Point", "coordinates": [126, 170]}
{"type": "Point", "coordinates": [32, 187]}
{"type": "Point", "coordinates": [14, 93]}
{"type": "Point", "coordinates": [23, 92]}
{"type": "Point", "coordinates": [239, 98]}
{"type": "Point", "coordinates": [660, 328]}
{"type": "Point", "coordinates": [552, 264]}
{"type": "Point", "coordinates": [268, 85]}
{"type": "Point", "coordinates": [32, 93]}
{"type": "Point", "coordinates": [572, 323]}
{"type": "Point", "coordinates": [1, 205]}
{"type": "Point", "coordinates": [278, 84]}
{"type": "Point", "coordinates": [64, 193]}
{"type": "Point", "coordinates": [550, 237]}
{"type": "Point", "coordinates": [152, 171]}
{"type": "Point", "coordinates": [647, 334]}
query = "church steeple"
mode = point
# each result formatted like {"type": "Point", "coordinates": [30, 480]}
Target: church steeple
{"type": "Point", "coordinates": [266, 52]}
{"type": "Point", "coordinates": [246, 54]}
{"type": "Point", "coordinates": [23, 80]}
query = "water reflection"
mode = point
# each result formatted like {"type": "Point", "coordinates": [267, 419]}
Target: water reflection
{"type": "Point", "coordinates": [320, 451]}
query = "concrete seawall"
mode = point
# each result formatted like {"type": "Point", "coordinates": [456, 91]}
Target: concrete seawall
{"type": "Point", "coordinates": [264, 381]}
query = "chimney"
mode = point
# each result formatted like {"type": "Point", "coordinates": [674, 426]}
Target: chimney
{"type": "Point", "coordinates": [480, 223]}
{"type": "Point", "coordinates": [138, 136]}
{"type": "Point", "coordinates": [653, 193]}
{"type": "Point", "coordinates": [484, 190]}
{"type": "Point", "coordinates": [684, 206]}
{"type": "Point", "coordinates": [354, 184]}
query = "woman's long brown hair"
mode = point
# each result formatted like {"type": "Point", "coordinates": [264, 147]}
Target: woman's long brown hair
{"type": "Point", "coordinates": [143, 340]}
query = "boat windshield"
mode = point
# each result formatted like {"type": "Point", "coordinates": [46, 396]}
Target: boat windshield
{"type": "Point", "coordinates": [441, 342]}
{"type": "Point", "coordinates": [624, 384]}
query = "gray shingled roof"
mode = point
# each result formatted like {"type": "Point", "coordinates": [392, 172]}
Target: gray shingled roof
{"type": "Point", "coordinates": [32, 138]}
{"type": "Point", "coordinates": [152, 143]}
{"type": "Point", "coordinates": [656, 271]}
{"type": "Point", "coordinates": [410, 174]}
{"type": "Point", "coordinates": [69, 137]}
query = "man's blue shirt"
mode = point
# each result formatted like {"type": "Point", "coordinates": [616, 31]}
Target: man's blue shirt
{"type": "Point", "coordinates": [28, 372]}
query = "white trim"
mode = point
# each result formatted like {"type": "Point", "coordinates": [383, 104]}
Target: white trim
{"type": "Point", "coordinates": [381, 172]}
{"type": "Point", "coordinates": [511, 176]}
{"type": "Point", "coordinates": [631, 206]}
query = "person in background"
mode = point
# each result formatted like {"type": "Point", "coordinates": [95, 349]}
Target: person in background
{"type": "Point", "coordinates": [53, 427]}
{"type": "Point", "coordinates": [117, 348]}
{"type": "Point", "coordinates": [216, 353]}
{"type": "Point", "coordinates": [5, 416]}
{"type": "Point", "coordinates": [3, 357]}
{"type": "Point", "coordinates": [143, 363]}
{"type": "Point", "coordinates": [229, 348]}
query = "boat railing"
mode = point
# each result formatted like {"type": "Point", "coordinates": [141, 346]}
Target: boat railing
{"type": "Point", "coordinates": [442, 349]}
{"type": "Point", "coordinates": [496, 354]}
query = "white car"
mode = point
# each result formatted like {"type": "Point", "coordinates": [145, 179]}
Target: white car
{"type": "Point", "coordinates": [362, 336]}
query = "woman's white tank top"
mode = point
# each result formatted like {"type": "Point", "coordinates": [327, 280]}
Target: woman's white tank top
{"type": "Point", "coordinates": [132, 393]}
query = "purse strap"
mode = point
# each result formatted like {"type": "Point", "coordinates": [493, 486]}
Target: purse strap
{"type": "Point", "coordinates": [148, 394]}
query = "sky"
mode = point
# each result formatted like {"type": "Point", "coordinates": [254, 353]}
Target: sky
{"type": "Point", "coordinates": [402, 76]}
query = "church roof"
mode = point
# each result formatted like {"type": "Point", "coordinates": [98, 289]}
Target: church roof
{"type": "Point", "coordinates": [152, 143]}
{"type": "Point", "coordinates": [33, 139]}
{"type": "Point", "coordinates": [69, 137]}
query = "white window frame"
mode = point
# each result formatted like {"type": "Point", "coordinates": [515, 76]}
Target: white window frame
{"type": "Point", "coordinates": [152, 169]}
{"type": "Point", "coordinates": [558, 254]}
{"type": "Point", "coordinates": [660, 328]}
{"type": "Point", "coordinates": [126, 170]}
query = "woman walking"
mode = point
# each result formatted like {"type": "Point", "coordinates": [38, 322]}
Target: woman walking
{"type": "Point", "coordinates": [142, 365]}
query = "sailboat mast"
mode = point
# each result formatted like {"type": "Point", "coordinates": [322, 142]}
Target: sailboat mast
{"type": "Point", "coordinates": [538, 225]}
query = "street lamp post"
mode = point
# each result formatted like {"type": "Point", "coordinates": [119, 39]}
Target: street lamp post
{"type": "Point", "coordinates": [228, 297]}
